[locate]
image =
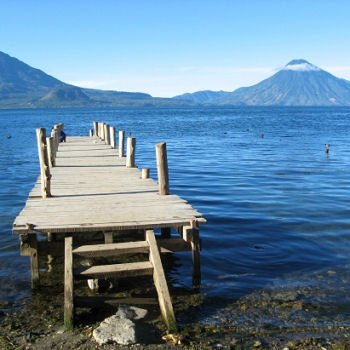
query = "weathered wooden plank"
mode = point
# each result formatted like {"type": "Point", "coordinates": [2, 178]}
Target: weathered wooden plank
{"type": "Point", "coordinates": [113, 249]}
{"type": "Point", "coordinates": [95, 227]}
{"type": "Point", "coordinates": [171, 245]}
{"type": "Point", "coordinates": [143, 268]}
{"type": "Point", "coordinates": [101, 300]}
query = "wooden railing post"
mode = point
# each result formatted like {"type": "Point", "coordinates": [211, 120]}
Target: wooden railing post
{"type": "Point", "coordinates": [95, 128]}
{"type": "Point", "coordinates": [54, 134]}
{"type": "Point", "coordinates": [102, 134]}
{"type": "Point", "coordinates": [44, 163]}
{"type": "Point", "coordinates": [113, 137]}
{"type": "Point", "coordinates": [162, 168]}
{"type": "Point", "coordinates": [99, 129]}
{"type": "Point", "coordinates": [51, 151]}
{"type": "Point", "coordinates": [121, 143]}
{"type": "Point", "coordinates": [145, 173]}
{"type": "Point", "coordinates": [106, 133]}
{"type": "Point", "coordinates": [130, 152]}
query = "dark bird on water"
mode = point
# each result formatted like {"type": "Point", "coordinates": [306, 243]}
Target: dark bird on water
{"type": "Point", "coordinates": [327, 149]}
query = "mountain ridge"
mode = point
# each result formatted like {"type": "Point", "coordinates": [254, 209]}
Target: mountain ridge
{"type": "Point", "coordinates": [298, 83]}
{"type": "Point", "coordinates": [23, 86]}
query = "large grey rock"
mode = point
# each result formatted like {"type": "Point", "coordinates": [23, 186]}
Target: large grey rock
{"type": "Point", "coordinates": [115, 329]}
{"type": "Point", "coordinates": [119, 328]}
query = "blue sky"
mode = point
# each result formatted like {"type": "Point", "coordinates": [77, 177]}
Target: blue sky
{"type": "Point", "coordinates": [168, 47]}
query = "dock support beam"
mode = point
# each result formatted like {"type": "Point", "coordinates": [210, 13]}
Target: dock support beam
{"type": "Point", "coordinates": [68, 284]}
{"type": "Point", "coordinates": [44, 163]}
{"type": "Point", "coordinates": [130, 152]}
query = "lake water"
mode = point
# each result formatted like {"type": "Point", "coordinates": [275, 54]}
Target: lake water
{"type": "Point", "coordinates": [278, 208]}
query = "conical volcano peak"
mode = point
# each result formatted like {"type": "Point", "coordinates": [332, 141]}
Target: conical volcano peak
{"type": "Point", "coordinates": [301, 66]}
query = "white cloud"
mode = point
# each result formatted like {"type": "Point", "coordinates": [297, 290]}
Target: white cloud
{"type": "Point", "coordinates": [301, 67]}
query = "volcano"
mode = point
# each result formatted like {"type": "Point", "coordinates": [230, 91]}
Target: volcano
{"type": "Point", "coordinates": [299, 83]}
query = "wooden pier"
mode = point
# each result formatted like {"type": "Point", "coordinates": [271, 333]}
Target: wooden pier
{"type": "Point", "coordinates": [87, 185]}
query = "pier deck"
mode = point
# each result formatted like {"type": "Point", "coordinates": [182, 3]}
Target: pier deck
{"type": "Point", "coordinates": [87, 186]}
{"type": "Point", "coordinates": [93, 190]}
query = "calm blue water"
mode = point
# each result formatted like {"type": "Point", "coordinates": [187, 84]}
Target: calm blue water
{"type": "Point", "coordinates": [278, 208]}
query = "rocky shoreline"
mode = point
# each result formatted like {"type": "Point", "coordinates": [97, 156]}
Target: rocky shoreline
{"type": "Point", "coordinates": [313, 313]}
{"type": "Point", "coordinates": [285, 319]}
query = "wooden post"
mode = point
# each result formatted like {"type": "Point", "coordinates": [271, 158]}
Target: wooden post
{"type": "Point", "coordinates": [95, 128]}
{"type": "Point", "coordinates": [102, 131]}
{"type": "Point", "coordinates": [54, 134]}
{"type": "Point", "coordinates": [34, 260]}
{"type": "Point", "coordinates": [166, 307]}
{"type": "Point", "coordinates": [107, 135]}
{"type": "Point", "coordinates": [130, 152]}
{"type": "Point", "coordinates": [112, 137]}
{"type": "Point", "coordinates": [99, 129]}
{"type": "Point", "coordinates": [145, 173]}
{"type": "Point", "coordinates": [108, 237]}
{"type": "Point", "coordinates": [68, 285]}
{"type": "Point", "coordinates": [44, 163]}
{"type": "Point", "coordinates": [51, 151]}
{"type": "Point", "coordinates": [121, 143]}
{"type": "Point", "coordinates": [162, 168]}
{"type": "Point", "coordinates": [91, 132]}
{"type": "Point", "coordinates": [191, 234]}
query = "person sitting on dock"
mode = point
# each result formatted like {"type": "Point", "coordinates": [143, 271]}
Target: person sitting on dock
{"type": "Point", "coordinates": [62, 136]}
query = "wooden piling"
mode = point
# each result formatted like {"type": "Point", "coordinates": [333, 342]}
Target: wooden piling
{"type": "Point", "coordinates": [130, 152]}
{"type": "Point", "coordinates": [44, 163]}
{"type": "Point", "coordinates": [113, 140]}
{"type": "Point", "coordinates": [34, 260]}
{"type": "Point", "coordinates": [68, 284]}
{"type": "Point", "coordinates": [191, 234]}
{"type": "Point", "coordinates": [121, 143]}
{"type": "Point", "coordinates": [162, 169]}
{"type": "Point", "coordinates": [145, 173]}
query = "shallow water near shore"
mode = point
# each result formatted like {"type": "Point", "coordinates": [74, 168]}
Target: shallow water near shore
{"type": "Point", "coordinates": [277, 206]}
